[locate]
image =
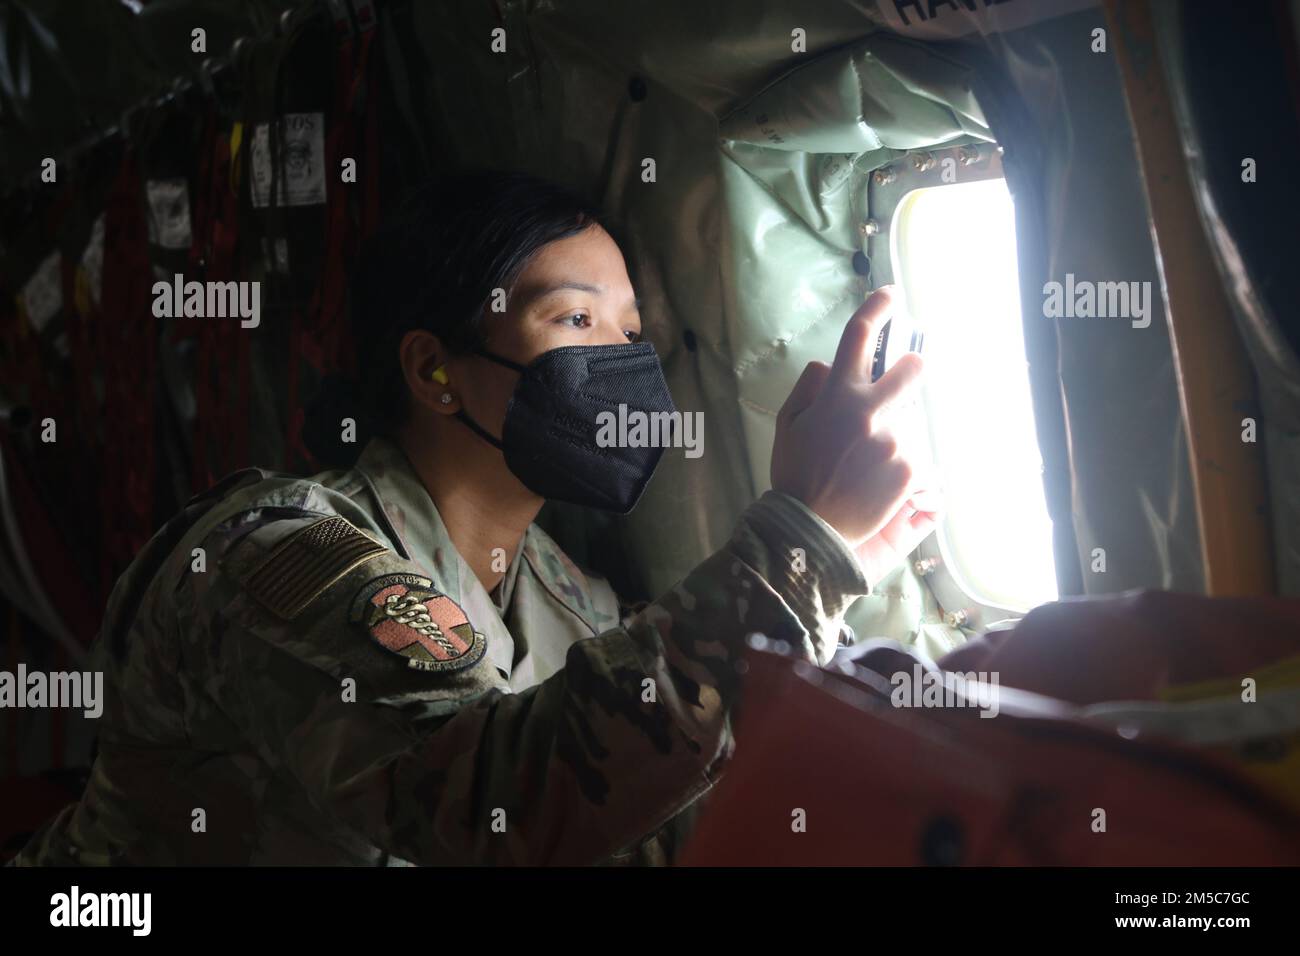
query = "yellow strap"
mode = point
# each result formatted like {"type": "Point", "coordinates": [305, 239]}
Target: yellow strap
{"type": "Point", "coordinates": [1275, 676]}
{"type": "Point", "coordinates": [236, 137]}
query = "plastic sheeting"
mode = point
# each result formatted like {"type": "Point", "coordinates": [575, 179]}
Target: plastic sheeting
{"type": "Point", "coordinates": [798, 157]}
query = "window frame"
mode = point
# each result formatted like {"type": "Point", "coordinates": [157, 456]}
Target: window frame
{"type": "Point", "coordinates": [887, 189]}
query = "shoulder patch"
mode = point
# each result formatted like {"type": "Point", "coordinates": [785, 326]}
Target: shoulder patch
{"type": "Point", "coordinates": [405, 614]}
{"type": "Point", "coordinates": [300, 568]}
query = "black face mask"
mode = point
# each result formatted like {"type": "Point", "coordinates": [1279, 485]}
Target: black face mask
{"type": "Point", "coordinates": [550, 434]}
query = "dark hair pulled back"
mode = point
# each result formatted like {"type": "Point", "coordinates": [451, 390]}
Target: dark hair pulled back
{"type": "Point", "coordinates": [434, 265]}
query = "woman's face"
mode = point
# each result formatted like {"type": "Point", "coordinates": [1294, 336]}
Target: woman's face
{"type": "Point", "coordinates": [575, 291]}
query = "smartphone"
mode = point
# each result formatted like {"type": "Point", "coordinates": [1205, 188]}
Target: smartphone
{"type": "Point", "coordinates": [898, 336]}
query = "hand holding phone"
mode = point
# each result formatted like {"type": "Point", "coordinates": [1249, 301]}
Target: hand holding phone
{"type": "Point", "coordinates": [897, 337]}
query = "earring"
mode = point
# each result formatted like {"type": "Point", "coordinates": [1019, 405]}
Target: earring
{"type": "Point", "coordinates": [446, 398]}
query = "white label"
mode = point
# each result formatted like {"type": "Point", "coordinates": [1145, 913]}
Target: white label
{"type": "Point", "coordinates": [169, 213]}
{"type": "Point", "coordinates": [302, 167]}
{"type": "Point", "coordinates": [945, 19]}
{"type": "Point", "coordinates": [92, 260]}
{"type": "Point", "coordinates": [43, 293]}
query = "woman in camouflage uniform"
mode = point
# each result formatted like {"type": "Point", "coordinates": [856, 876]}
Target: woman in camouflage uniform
{"type": "Point", "coordinates": [389, 662]}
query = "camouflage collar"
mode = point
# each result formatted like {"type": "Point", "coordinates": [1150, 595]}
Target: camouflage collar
{"type": "Point", "coordinates": [413, 517]}
{"type": "Point", "coordinates": [424, 537]}
{"type": "Point", "coordinates": [553, 570]}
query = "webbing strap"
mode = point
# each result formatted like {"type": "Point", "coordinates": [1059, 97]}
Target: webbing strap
{"type": "Point", "coordinates": [323, 344]}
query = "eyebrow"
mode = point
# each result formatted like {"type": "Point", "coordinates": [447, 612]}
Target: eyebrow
{"type": "Point", "coordinates": [568, 284]}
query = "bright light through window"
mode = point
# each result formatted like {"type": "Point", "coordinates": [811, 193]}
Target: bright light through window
{"type": "Point", "coordinates": [955, 257]}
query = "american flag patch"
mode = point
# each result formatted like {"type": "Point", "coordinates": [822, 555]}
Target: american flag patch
{"type": "Point", "coordinates": [305, 564]}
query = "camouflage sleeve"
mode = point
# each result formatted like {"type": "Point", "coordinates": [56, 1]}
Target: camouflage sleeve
{"type": "Point", "coordinates": [448, 766]}
{"type": "Point", "coordinates": [805, 561]}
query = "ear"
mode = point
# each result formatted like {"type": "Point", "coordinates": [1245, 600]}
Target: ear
{"type": "Point", "coordinates": [421, 355]}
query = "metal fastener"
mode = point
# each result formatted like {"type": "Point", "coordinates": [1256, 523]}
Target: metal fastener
{"type": "Point", "coordinates": [926, 566]}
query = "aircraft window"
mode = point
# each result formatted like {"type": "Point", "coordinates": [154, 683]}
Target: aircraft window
{"type": "Point", "coordinates": [954, 253]}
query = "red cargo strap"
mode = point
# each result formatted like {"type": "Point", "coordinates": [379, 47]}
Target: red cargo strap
{"type": "Point", "coordinates": [222, 364]}
{"type": "Point", "coordinates": [129, 352]}
{"type": "Point", "coordinates": [324, 342]}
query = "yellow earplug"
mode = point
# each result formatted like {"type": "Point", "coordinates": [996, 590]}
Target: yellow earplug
{"type": "Point", "coordinates": [440, 375]}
